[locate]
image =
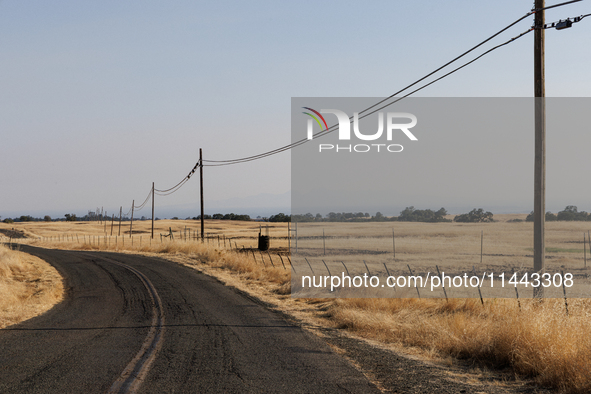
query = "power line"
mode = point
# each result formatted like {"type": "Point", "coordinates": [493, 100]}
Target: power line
{"type": "Point", "coordinates": [180, 184]}
{"type": "Point", "coordinates": [566, 23]}
{"type": "Point", "coordinates": [333, 127]}
{"type": "Point", "coordinates": [176, 187]}
{"type": "Point", "coordinates": [320, 134]}
{"type": "Point", "coordinates": [365, 112]}
{"type": "Point", "coordinates": [145, 201]}
{"type": "Point", "coordinates": [183, 180]}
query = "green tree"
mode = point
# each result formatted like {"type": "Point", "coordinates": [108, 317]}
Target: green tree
{"type": "Point", "coordinates": [47, 218]}
{"type": "Point", "coordinates": [572, 213]}
{"type": "Point", "coordinates": [475, 216]}
{"type": "Point", "coordinates": [280, 217]}
{"type": "Point", "coordinates": [410, 214]}
{"type": "Point", "coordinates": [70, 217]}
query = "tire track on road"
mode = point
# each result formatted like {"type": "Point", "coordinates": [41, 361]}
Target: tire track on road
{"type": "Point", "coordinates": [136, 371]}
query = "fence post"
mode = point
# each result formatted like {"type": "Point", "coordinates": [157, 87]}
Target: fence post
{"type": "Point", "coordinates": [411, 274]}
{"type": "Point", "coordinates": [442, 282]}
{"type": "Point", "coordinates": [585, 249]}
{"type": "Point", "coordinates": [282, 263]}
{"type": "Point", "coordinates": [309, 265]}
{"type": "Point", "coordinates": [327, 268]}
{"type": "Point", "coordinates": [346, 269]}
{"type": "Point", "coordinates": [516, 291]}
{"type": "Point", "coordinates": [264, 259]}
{"type": "Point", "coordinates": [394, 244]}
{"type": "Point", "coordinates": [479, 292]}
{"type": "Point", "coordinates": [269, 254]}
{"type": "Point", "coordinates": [481, 248]}
{"type": "Point", "coordinates": [367, 268]}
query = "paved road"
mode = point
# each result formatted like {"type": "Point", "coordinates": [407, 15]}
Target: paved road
{"type": "Point", "coordinates": [139, 324]}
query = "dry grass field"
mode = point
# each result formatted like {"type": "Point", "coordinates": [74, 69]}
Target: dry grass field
{"type": "Point", "coordinates": [538, 340]}
{"type": "Point", "coordinates": [28, 286]}
{"type": "Point", "coordinates": [453, 248]}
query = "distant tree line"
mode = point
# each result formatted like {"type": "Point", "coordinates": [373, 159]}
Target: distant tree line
{"type": "Point", "coordinates": [221, 216]}
{"type": "Point", "coordinates": [570, 213]}
{"type": "Point", "coordinates": [68, 217]}
{"type": "Point", "coordinates": [409, 214]}
{"type": "Point", "coordinates": [337, 217]}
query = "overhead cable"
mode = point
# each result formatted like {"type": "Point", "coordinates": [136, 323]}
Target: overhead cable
{"type": "Point", "coordinates": [334, 127]}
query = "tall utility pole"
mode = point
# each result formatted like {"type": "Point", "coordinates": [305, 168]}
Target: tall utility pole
{"type": "Point", "coordinates": [152, 210]}
{"type": "Point", "coordinates": [201, 191]}
{"type": "Point", "coordinates": [131, 224]}
{"type": "Point", "coordinates": [540, 145]}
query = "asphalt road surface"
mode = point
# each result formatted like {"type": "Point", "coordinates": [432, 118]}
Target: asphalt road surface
{"type": "Point", "coordinates": [139, 324]}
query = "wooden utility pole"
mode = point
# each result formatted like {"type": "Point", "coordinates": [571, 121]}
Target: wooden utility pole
{"type": "Point", "coordinates": [120, 212]}
{"type": "Point", "coordinates": [201, 191]}
{"type": "Point", "coordinates": [540, 145]}
{"type": "Point", "coordinates": [131, 224]}
{"type": "Point", "coordinates": [152, 210]}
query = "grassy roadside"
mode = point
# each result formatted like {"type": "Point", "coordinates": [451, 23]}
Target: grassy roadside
{"type": "Point", "coordinates": [28, 287]}
{"type": "Point", "coordinates": [536, 340]}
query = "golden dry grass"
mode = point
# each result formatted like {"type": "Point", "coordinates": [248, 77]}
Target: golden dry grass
{"type": "Point", "coordinates": [239, 232]}
{"type": "Point", "coordinates": [538, 340]}
{"type": "Point", "coordinates": [28, 286]}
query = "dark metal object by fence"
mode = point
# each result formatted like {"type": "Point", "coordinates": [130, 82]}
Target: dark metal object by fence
{"type": "Point", "coordinates": [264, 242]}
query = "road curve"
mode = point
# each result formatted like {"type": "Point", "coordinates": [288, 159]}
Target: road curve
{"type": "Point", "coordinates": [141, 324]}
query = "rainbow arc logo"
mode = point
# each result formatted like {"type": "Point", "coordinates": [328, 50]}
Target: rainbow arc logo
{"type": "Point", "coordinates": [310, 132]}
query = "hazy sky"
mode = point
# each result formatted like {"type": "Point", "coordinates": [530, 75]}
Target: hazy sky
{"type": "Point", "coordinates": [100, 99]}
